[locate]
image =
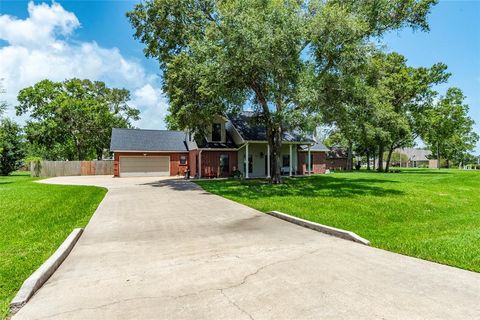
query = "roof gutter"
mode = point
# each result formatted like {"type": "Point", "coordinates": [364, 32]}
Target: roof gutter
{"type": "Point", "coordinates": [151, 151]}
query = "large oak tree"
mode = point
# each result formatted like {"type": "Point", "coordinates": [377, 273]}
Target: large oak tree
{"type": "Point", "coordinates": [73, 120]}
{"type": "Point", "coordinates": [447, 128]}
{"type": "Point", "coordinates": [284, 59]}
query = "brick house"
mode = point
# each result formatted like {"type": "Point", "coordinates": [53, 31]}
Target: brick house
{"type": "Point", "coordinates": [233, 143]}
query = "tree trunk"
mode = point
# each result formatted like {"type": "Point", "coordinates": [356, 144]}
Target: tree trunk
{"type": "Point", "coordinates": [99, 153]}
{"type": "Point", "coordinates": [79, 151]}
{"type": "Point", "coordinates": [448, 163]}
{"type": "Point", "coordinates": [368, 161]}
{"type": "Point", "coordinates": [381, 149]}
{"type": "Point", "coordinates": [275, 141]}
{"type": "Point", "coordinates": [349, 157]}
{"type": "Point", "coordinates": [438, 155]}
{"type": "Point", "coordinates": [374, 161]}
{"type": "Point", "coordinates": [389, 157]}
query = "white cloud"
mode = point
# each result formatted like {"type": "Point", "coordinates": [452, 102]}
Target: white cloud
{"type": "Point", "coordinates": [38, 48]}
{"type": "Point", "coordinates": [40, 28]}
{"type": "Point", "coordinates": [154, 104]}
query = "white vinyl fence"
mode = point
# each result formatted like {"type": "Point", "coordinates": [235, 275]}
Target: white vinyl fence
{"type": "Point", "coordinates": [71, 168]}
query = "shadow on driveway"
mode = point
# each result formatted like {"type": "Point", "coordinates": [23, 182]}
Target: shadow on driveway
{"type": "Point", "coordinates": [174, 184]}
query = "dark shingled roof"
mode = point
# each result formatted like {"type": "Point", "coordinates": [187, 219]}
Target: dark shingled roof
{"type": "Point", "coordinates": [203, 143]}
{"type": "Point", "coordinates": [245, 124]}
{"type": "Point", "coordinates": [147, 140]}
{"type": "Point", "coordinates": [337, 153]}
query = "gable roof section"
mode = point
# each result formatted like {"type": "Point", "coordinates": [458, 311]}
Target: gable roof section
{"type": "Point", "coordinates": [249, 131]}
{"type": "Point", "coordinates": [415, 154]}
{"type": "Point", "coordinates": [229, 143]}
{"type": "Point", "coordinates": [147, 140]}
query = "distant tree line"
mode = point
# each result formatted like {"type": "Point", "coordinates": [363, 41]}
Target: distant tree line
{"type": "Point", "coordinates": [392, 105]}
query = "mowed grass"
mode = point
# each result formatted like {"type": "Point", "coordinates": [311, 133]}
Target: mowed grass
{"type": "Point", "coordinates": [34, 220]}
{"type": "Point", "coordinates": [429, 214]}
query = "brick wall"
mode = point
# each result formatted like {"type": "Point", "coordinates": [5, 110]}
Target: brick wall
{"type": "Point", "coordinates": [211, 163]}
{"type": "Point", "coordinates": [318, 162]}
{"type": "Point", "coordinates": [338, 164]}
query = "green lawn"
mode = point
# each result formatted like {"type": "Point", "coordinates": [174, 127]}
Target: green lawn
{"type": "Point", "coordinates": [433, 215]}
{"type": "Point", "coordinates": [34, 220]}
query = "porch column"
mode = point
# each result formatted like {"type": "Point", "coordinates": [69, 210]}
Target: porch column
{"type": "Point", "coordinates": [268, 160]}
{"type": "Point", "coordinates": [309, 161]}
{"type": "Point", "coordinates": [290, 173]}
{"type": "Point", "coordinates": [246, 159]}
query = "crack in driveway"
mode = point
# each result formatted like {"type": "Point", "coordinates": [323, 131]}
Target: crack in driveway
{"type": "Point", "coordinates": [220, 290]}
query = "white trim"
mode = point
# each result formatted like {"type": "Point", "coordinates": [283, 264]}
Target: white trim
{"type": "Point", "coordinates": [143, 174]}
{"type": "Point", "coordinates": [235, 128]}
{"type": "Point", "coordinates": [290, 161]}
{"type": "Point", "coordinates": [247, 163]}
{"type": "Point", "coordinates": [218, 149]}
{"type": "Point", "coordinates": [268, 160]}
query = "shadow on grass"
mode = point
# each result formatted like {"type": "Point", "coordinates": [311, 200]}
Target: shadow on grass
{"type": "Point", "coordinates": [425, 172]}
{"type": "Point", "coordinates": [305, 187]}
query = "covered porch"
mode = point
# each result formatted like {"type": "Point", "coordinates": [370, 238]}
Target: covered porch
{"type": "Point", "coordinates": [255, 156]}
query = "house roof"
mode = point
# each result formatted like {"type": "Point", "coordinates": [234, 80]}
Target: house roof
{"type": "Point", "coordinates": [244, 123]}
{"type": "Point", "coordinates": [337, 153]}
{"type": "Point", "coordinates": [317, 147]}
{"type": "Point", "coordinates": [415, 154]}
{"type": "Point", "coordinates": [147, 140]}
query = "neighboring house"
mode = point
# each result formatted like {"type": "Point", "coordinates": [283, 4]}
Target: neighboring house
{"type": "Point", "coordinates": [337, 159]}
{"type": "Point", "coordinates": [232, 144]}
{"type": "Point", "coordinates": [414, 158]}
{"type": "Point", "coordinates": [417, 158]}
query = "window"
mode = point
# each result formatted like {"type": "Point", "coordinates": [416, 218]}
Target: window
{"type": "Point", "coordinates": [250, 164]}
{"type": "Point", "coordinates": [311, 159]}
{"type": "Point", "coordinates": [216, 132]}
{"type": "Point", "coordinates": [286, 161]}
{"type": "Point", "coordinates": [183, 160]}
{"type": "Point", "coordinates": [224, 164]}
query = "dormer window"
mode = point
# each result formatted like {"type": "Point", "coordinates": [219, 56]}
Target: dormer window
{"type": "Point", "coordinates": [216, 132]}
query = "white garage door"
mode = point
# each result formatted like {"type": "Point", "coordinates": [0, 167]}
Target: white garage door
{"type": "Point", "coordinates": [144, 166]}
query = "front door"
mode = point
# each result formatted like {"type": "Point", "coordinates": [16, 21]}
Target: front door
{"type": "Point", "coordinates": [224, 165]}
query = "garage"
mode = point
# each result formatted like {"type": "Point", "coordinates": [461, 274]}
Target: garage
{"type": "Point", "coordinates": [144, 166]}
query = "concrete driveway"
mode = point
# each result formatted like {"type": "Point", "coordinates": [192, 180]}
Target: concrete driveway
{"type": "Point", "coordinates": [165, 249]}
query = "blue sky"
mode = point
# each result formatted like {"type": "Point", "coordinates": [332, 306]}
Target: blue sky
{"type": "Point", "coordinates": [101, 27]}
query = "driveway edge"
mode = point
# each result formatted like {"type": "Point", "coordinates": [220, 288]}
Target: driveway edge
{"type": "Point", "coordinates": [339, 233]}
{"type": "Point", "coordinates": [41, 275]}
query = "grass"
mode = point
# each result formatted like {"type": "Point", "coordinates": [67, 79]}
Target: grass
{"type": "Point", "coordinates": [432, 215]}
{"type": "Point", "coordinates": [34, 220]}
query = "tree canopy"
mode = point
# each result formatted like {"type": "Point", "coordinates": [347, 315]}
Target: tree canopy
{"type": "Point", "coordinates": [287, 60]}
{"type": "Point", "coordinates": [11, 146]}
{"type": "Point", "coordinates": [73, 119]}
{"type": "Point", "coordinates": [448, 130]}
{"type": "Point", "coordinates": [387, 108]}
